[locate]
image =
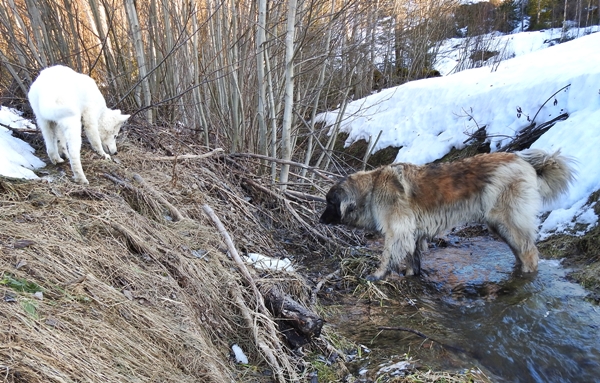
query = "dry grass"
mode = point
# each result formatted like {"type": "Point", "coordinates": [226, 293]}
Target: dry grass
{"type": "Point", "coordinates": [129, 294]}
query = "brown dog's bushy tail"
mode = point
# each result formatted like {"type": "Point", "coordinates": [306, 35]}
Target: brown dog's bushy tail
{"type": "Point", "coordinates": [555, 172]}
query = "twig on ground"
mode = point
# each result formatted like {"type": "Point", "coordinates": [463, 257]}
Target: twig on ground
{"type": "Point", "coordinates": [315, 291]}
{"type": "Point", "coordinates": [187, 156]}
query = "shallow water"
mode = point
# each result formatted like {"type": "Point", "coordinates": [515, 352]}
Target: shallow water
{"type": "Point", "coordinates": [517, 328]}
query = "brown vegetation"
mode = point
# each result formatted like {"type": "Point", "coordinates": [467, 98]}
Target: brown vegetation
{"type": "Point", "coordinates": [129, 291]}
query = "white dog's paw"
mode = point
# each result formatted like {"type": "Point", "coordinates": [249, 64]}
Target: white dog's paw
{"type": "Point", "coordinates": [55, 158]}
{"type": "Point", "coordinates": [81, 179]}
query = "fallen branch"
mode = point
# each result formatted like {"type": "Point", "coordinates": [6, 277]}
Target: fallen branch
{"type": "Point", "coordinates": [174, 211]}
{"type": "Point", "coordinates": [290, 208]}
{"type": "Point", "coordinates": [303, 196]}
{"type": "Point", "coordinates": [269, 325]}
{"type": "Point", "coordinates": [531, 133]}
{"type": "Point", "coordinates": [187, 156]}
{"type": "Point", "coordinates": [298, 324]}
{"type": "Point", "coordinates": [233, 252]}
{"type": "Point", "coordinates": [19, 130]}
{"type": "Point", "coordinates": [134, 241]}
{"type": "Point", "coordinates": [260, 341]}
{"type": "Point", "coordinates": [121, 182]}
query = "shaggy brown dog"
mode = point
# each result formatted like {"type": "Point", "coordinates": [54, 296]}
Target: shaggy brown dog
{"type": "Point", "coordinates": [409, 204]}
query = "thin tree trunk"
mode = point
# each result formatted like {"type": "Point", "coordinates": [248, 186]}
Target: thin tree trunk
{"type": "Point", "coordinates": [196, 74]}
{"type": "Point", "coordinates": [102, 36]}
{"type": "Point", "coordinates": [38, 54]}
{"type": "Point", "coordinates": [138, 45]}
{"type": "Point", "coordinates": [320, 83]}
{"type": "Point", "coordinates": [260, 76]}
{"type": "Point", "coordinates": [564, 26]}
{"type": "Point", "coordinates": [273, 110]}
{"type": "Point", "coordinates": [286, 126]}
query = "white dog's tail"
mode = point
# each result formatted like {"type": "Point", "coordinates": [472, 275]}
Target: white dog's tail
{"type": "Point", "coordinates": [554, 171]}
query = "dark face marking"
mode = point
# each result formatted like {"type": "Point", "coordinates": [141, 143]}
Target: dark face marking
{"type": "Point", "coordinates": [332, 214]}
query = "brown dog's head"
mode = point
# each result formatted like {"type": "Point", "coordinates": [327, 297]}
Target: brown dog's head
{"type": "Point", "coordinates": [349, 202]}
{"type": "Point", "coordinates": [336, 205]}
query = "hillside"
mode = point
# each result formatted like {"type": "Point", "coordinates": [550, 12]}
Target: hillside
{"type": "Point", "coordinates": [103, 283]}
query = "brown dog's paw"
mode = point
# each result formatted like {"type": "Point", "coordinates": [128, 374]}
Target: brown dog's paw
{"type": "Point", "coordinates": [372, 278]}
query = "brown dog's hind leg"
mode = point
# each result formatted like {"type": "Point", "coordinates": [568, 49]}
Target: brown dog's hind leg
{"type": "Point", "coordinates": [521, 242]}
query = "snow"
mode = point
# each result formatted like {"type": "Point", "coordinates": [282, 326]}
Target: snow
{"type": "Point", "coordinates": [239, 355]}
{"type": "Point", "coordinates": [263, 262]}
{"type": "Point", "coordinates": [427, 118]}
{"type": "Point", "coordinates": [16, 156]}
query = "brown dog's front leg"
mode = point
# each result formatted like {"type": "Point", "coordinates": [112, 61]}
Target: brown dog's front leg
{"type": "Point", "coordinates": [398, 245]}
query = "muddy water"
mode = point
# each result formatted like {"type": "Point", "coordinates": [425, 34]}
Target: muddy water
{"type": "Point", "coordinates": [516, 328]}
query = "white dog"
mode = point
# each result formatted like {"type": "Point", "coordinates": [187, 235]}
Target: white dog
{"type": "Point", "coordinates": [62, 99]}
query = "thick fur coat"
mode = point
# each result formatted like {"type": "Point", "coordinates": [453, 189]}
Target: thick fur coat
{"type": "Point", "coordinates": [409, 204]}
{"type": "Point", "coordinates": [61, 100]}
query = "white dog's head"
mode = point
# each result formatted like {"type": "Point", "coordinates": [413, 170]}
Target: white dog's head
{"type": "Point", "coordinates": [109, 127]}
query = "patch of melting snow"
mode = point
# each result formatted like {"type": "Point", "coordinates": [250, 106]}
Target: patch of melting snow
{"type": "Point", "coordinates": [262, 262]}
{"type": "Point", "coordinates": [240, 357]}
{"type": "Point", "coordinates": [395, 369]}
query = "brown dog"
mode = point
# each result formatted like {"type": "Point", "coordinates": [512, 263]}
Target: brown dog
{"type": "Point", "coordinates": [409, 203]}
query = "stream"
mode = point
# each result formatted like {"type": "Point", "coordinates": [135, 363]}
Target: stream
{"type": "Point", "coordinates": [514, 327]}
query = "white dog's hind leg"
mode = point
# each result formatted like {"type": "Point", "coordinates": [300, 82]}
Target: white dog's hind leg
{"type": "Point", "coordinates": [71, 131]}
{"type": "Point", "coordinates": [50, 139]}
{"type": "Point", "coordinates": [63, 152]}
